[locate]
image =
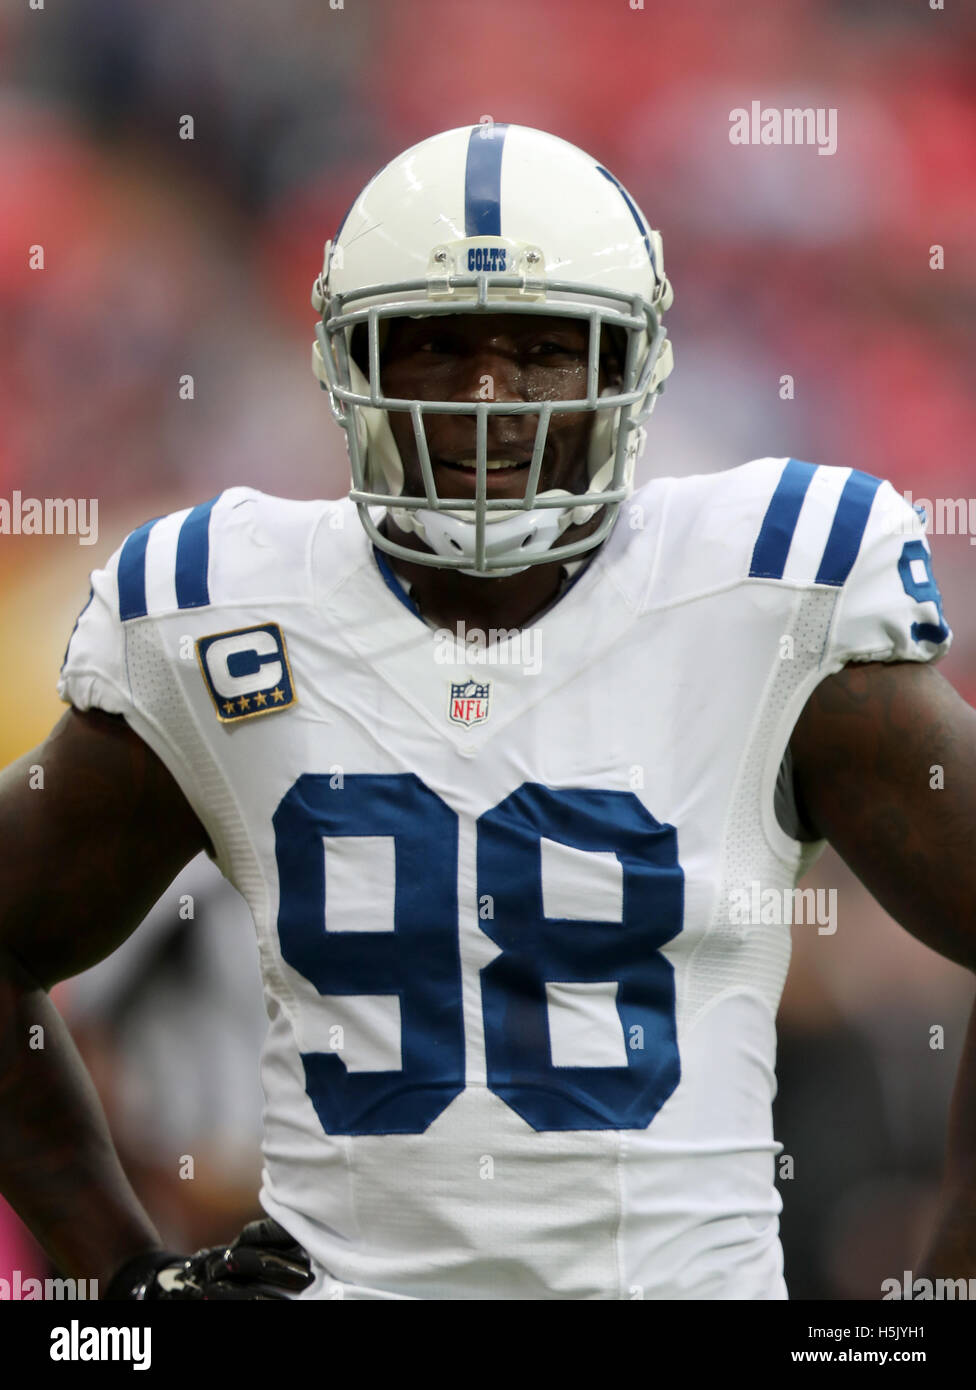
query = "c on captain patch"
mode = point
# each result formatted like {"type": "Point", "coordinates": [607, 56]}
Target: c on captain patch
{"type": "Point", "coordinates": [246, 672]}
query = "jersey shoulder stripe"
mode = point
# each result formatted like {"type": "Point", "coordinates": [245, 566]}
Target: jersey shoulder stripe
{"type": "Point", "coordinates": [847, 531]}
{"type": "Point", "coordinates": [243, 552]}
{"type": "Point", "coordinates": [193, 557]}
{"type": "Point", "coordinates": [88, 603]}
{"type": "Point", "coordinates": [779, 523]}
{"type": "Point", "coordinates": [793, 496]}
{"type": "Point", "coordinates": [132, 572]}
{"type": "Point", "coordinates": [192, 561]}
{"type": "Point", "coordinates": [241, 546]}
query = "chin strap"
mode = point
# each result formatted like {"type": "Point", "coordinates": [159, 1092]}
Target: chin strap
{"type": "Point", "coordinates": [524, 534]}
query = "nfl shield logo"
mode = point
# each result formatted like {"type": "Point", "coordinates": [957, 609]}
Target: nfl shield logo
{"type": "Point", "coordinates": [469, 702]}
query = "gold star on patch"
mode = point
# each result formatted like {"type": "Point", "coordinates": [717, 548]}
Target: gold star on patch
{"type": "Point", "coordinates": [260, 699]}
{"type": "Point", "coordinates": [244, 702]}
{"type": "Point", "coordinates": [277, 694]}
{"type": "Point", "coordinates": [229, 707]}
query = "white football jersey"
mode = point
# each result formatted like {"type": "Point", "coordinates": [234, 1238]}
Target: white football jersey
{"type": "Point", "coordinates": [520, 958]}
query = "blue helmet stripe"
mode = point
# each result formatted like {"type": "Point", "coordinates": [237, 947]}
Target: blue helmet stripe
{"type": "Point", "coordinates": [483, 181]}
{"type": "Point", "coordinates": [779, 523]}
{"type": "Point", "coordinates": [193, 557]}
{"type": "Point", "coordinates": [850, 519]}
{"type": "Point", "coordinates": [633, 211]}
{"type": "Point", "coordinates": [132, 573]}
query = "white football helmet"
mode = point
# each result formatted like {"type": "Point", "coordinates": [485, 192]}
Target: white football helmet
{"type": "Point", "coordinates": [492, 219]}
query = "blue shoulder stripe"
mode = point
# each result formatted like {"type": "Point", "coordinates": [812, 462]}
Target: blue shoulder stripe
{"type": "Point", "coordinates": [850, 519]}
{"type": "Point", "coordinates": [132, 573]}
{"type": "Point", "coordinates": [483, 181]}
{"type": "Point", "coordinates": [193, 557]}
{"type": "Point", "coordinates": [192, 564]}
{"type": "Point", "coordinates": [776, 533]}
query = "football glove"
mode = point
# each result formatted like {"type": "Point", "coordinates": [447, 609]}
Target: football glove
{"type": "Point", "coordinates": [264, 1262]}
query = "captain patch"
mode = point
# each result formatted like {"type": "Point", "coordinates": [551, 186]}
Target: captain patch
{"type": "Point", "coordinates": [246, 672]}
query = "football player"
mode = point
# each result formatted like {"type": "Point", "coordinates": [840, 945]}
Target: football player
{"type": "Point", "coordinates": [495, 749]}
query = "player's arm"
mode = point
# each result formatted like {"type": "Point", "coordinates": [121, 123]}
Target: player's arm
{"type": "Point", "coordinates": [885, 769]}
{"type": "Point", "coordinates": [82, 859]}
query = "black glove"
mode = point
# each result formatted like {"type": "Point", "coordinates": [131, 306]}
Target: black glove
{"type": "Point", "coordinates": [263, 1261]}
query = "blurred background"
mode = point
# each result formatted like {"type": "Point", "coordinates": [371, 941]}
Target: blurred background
{"type": "Point", "coordinates": [165, 256]}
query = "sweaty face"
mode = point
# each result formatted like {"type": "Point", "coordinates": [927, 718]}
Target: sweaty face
{"type": "Point", "coordinates": [492, 357]}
